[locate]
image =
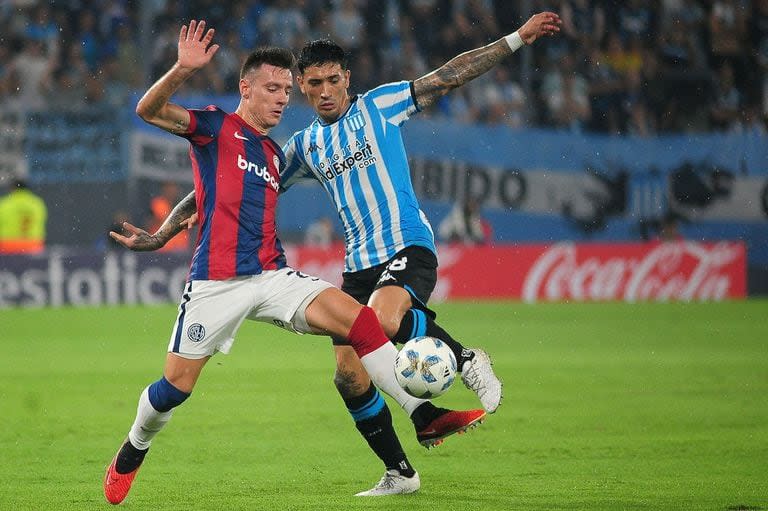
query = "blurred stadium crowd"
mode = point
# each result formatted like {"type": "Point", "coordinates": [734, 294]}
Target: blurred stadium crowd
{"type": "Point", "coordinates": [634, 66]}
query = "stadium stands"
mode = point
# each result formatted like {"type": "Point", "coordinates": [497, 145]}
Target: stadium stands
{"type": "Point", "coordinates": [637, 67]}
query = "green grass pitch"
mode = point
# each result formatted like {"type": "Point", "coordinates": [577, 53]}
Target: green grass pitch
{"type": "Point", "coordinates": [607, 406]}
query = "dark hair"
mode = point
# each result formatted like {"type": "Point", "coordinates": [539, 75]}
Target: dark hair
{"type": "Point", "coordinates": [319, 52]}
{"type": "Point", "coordinates": [272, 55]}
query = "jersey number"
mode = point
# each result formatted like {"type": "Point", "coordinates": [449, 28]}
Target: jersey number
{"type": "Point", "coordinates": [397, 264]}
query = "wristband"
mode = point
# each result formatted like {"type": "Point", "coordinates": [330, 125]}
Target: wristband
{"type": "Point", "coordinates": [514, 41]}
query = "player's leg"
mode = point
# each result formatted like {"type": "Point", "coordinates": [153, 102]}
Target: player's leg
{"type": "Point", "coordinates": [156, 404]}
{"type": "Point", "coordinates": [407, 281]}
{"type": "Point", "coordinates": [432, 424]}
{"type": "Point", "coordinates": [351, 378]}
{"type": "Point", "coordinates": [369, 411]}
{"type": "Point", "coordinates": [158, 400]}
{"type": "Point", "coordinates": [400, 298]}
{"type": "Point", "coordinates": [209, 315]}
{"type": "Point", "coordinates": [335, 312]}
{"type": "Point", "coordinates": [306, 304]}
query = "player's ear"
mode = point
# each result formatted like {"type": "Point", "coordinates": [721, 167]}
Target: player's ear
{"type": "Point", "coordinates": [245, 88]}
{"type": "Point", "coordinates": [347, 74]}
{"type": "Point", "coordinates": [300, 81]}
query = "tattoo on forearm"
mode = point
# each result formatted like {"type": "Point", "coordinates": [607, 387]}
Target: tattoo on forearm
{"type": "Point", "coordinates": [458, 71]}
{"type": "Point", "coordinates": [172, 225]}
{"type": "Point", "coordinates": [146, 242]}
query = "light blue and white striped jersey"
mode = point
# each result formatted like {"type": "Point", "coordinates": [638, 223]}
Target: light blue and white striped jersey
{"type": "Point", "coordinates": [360, 160]}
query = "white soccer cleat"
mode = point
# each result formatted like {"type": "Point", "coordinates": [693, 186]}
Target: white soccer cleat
{"type": "Point", "coordinates": [477, 374]}
{"type": "Point", "coordinates": [393, 484]}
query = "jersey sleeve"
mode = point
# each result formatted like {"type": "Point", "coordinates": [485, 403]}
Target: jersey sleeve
{"type": "Point", "coordinates": [204, 124]}
{"type": "Point", "coordinates": [394, 101]}
{"type": "Point", "coordinates": [296, 168]}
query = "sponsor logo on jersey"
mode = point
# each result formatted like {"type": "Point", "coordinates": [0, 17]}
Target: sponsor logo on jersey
{"type": "Point", "coordinates": [258, 171]}
{"type": "Point", "coordinates": [360, 157]}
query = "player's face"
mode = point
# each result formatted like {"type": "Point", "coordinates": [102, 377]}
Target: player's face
{"type": "Point", "coordinates": [325, 87]}
{"type": "Point", "coordinates": [265, 92]}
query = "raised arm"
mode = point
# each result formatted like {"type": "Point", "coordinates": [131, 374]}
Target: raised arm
{"type": "Point", "coordinates": [183, 216]}
{"type": "Point", "coordinates": [469, 65]}
{"type": "Point", "coordinates": [195, 51]}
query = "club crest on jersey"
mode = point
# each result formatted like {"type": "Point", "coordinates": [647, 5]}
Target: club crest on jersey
{"type": "Point", "coordinates": [196, 332]}
{"type": "Point", "coordinates": [355, 121]}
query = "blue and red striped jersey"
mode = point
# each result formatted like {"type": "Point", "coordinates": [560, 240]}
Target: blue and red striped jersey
{"type": "Point", "coordinates": [237, 179]}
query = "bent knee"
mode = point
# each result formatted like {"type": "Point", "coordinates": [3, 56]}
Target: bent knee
{"type": "Point", "coordinates": [390, 316]}
{"type": "Point", "coordinates": [389, 321]}
{"type": "Point", "coordinates": [390, 328]}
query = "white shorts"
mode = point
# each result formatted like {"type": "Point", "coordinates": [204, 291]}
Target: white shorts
{"type": "Point", "coordinates": [211, 311]}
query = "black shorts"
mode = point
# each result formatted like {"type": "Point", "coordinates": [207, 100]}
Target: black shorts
{"type": "Point", "coordinates": [414, 269]}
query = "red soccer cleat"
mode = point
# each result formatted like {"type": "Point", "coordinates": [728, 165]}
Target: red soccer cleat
{"type": "Point", "coordinates": [454, 421]}
{"type": "Point", "coordinates": [116, 485]}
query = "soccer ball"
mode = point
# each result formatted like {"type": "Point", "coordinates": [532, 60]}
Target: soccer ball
{"type": "Point", "coordinates": [425, 367]}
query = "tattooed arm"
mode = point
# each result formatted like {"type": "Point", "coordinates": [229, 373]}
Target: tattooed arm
{"type": "Point", "coordinates": [469, 65]}
{"type": "Point", "coordinates": [194, 53]}
{"type": "Point", "coordinates": [183, 216]}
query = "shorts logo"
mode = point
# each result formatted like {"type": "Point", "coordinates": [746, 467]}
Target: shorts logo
{"type": "Point", "coordinates": [196, 332]}
{"type": "Point", "coordinates": [385, 276]}
{"type": "Point", "coordinates": [398, 264]}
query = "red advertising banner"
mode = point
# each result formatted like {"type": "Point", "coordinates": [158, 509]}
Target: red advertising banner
{"type": "Point", "coordinates": [679, 270]}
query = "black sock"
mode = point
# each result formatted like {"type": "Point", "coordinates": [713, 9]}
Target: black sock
{"type": "Point", "coordinates": [374, 421]}
{"type": "Point", "coordinates": [129, 458]}
{"type": "Point", "coordinates": [425, 413]}
{"type": "Point", "coordinates": [416, 323]}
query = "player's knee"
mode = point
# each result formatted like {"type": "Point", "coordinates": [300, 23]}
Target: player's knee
{"type": "Point", "coordinates": [163, 396]}
{"type": "Point", "coordinates": [366, 335]}
{"type": "Point", "coordinates": [390, 328]}
{"type": "Point", "coordinates": [390, 321]}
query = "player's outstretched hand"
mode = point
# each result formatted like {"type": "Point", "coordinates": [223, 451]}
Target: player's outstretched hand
{"type": "Point", "coordinates": [195, 48]}
{"type": "Point", "coordinates": [138, 240]}
{"type": "Point", "coordinates": [539, 25]}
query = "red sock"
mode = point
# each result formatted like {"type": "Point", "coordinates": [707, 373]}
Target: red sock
{"type": "Point", "coordinates": [366, 334]}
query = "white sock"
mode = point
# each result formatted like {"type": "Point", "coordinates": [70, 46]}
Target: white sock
{"type": "Point", "coordinates": [380, 365]}
{"type": "Point", "coordinates": [148, 422]}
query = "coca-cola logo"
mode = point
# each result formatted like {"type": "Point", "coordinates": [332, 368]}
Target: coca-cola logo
{"type": "Point", "coordinates": [666, 271]}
